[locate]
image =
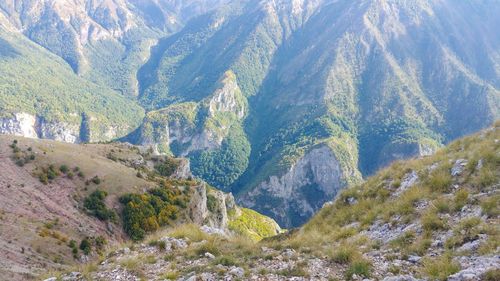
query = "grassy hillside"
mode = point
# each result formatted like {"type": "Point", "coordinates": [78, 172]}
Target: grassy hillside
{"type": "Point", "coordinates": [431, 218]}
{"type": "Point", "coordinates": [39, 220]}
{"type": "Point", "coordinates": [439, 209]}
{"type": "Point", "coordinates": [65, 204]}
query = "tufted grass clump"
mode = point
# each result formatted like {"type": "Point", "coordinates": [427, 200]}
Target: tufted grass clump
{"type": "Point", "coordinates": [210, 246]}
{"type": "Point", "coordinates": [467, 230]}
{"type": "Point", "coordinates": [440, 180]}
{"type": "Point", "coordinates": [491, 275]}
{"type": "Point", "coordinates": [440, 268]}
{"type": "Point", "coordinates": [460, 199]}
{"type": "Point", "coordinates": [431, 221]}
{"type": "Point", "coordinates": [344, 254]}
{"type": "Point", "coordinates": [225, 260]}
{"type": "Point", "coordinates": [189, 231]}
{"type": "Point", "coordinates": [490, 206]}
{"type": "Point", "coordinates": [359, 267]}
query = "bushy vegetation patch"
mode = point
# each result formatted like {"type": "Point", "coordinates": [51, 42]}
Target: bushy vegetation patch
{"type": "Point", "coordinates": [92, 243]}
{"type": "Point", "coordinates": [96, 206]}
{"type": "Point", "coordinates": [48, 174]}
{"type": "Point", "coordinates": [145, 213]}
{"type": "Point", "coordinates": [167, 167]}
{"type": "Point", "coordinates": [21, 157]}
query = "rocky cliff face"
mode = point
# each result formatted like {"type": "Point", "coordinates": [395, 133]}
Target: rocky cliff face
{"type": "Point", "coordinates": [190, 127]}
{"type": "Point", "coordinates": [33, 126]}
{"type": "Point", "coordinates": [27, 125]}
{"type": "Point", "coordinates": [296, 195]}
{"type": "Point", "coordinates": [20, 124]}
{"type": "Point", "coordinates": [211, 207]}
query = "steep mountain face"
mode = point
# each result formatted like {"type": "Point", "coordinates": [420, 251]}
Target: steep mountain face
{"type": "Point", "coordinates": [373, 81]}
{"type": "Point", "coordinates": [103, 41]}
{"type": "Point", "coordinates": [265, 97]}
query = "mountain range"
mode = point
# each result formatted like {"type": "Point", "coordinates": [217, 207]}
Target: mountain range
{"type": "Point", "coordinates": [283, 103]}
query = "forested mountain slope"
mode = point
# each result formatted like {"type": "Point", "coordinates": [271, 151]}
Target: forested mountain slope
{"type": "Point", "coordinates": [283, 103]}
{"type": "Point", "coordinates": [321, 87]}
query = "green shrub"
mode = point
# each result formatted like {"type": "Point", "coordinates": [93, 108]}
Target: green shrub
{"type": "Point", "coordinates": [100, 242]}
{"type": "Point", "coordinates": [167, 167]}
{"type": "Point", "coordinates": [147, 212]}
{"type": "Point", "coordinates": [51, 172]}
{"type": "Point", "coordinates": [48, 174]}
{"type": "Point", "coordinates": [72, 244]}
{"type": "Point", "coordinates": [96, 180]}
{"type": "Point", "coordinates": [43, 178]}
{"type": "Point", "coordinates": [94, 203]}
{"type": "Point", "coordinates": [211, 203]}
{"type": "Point", "coordinates": [64, 169]}
{"type": "Point", "coordinates": [86, 246]}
